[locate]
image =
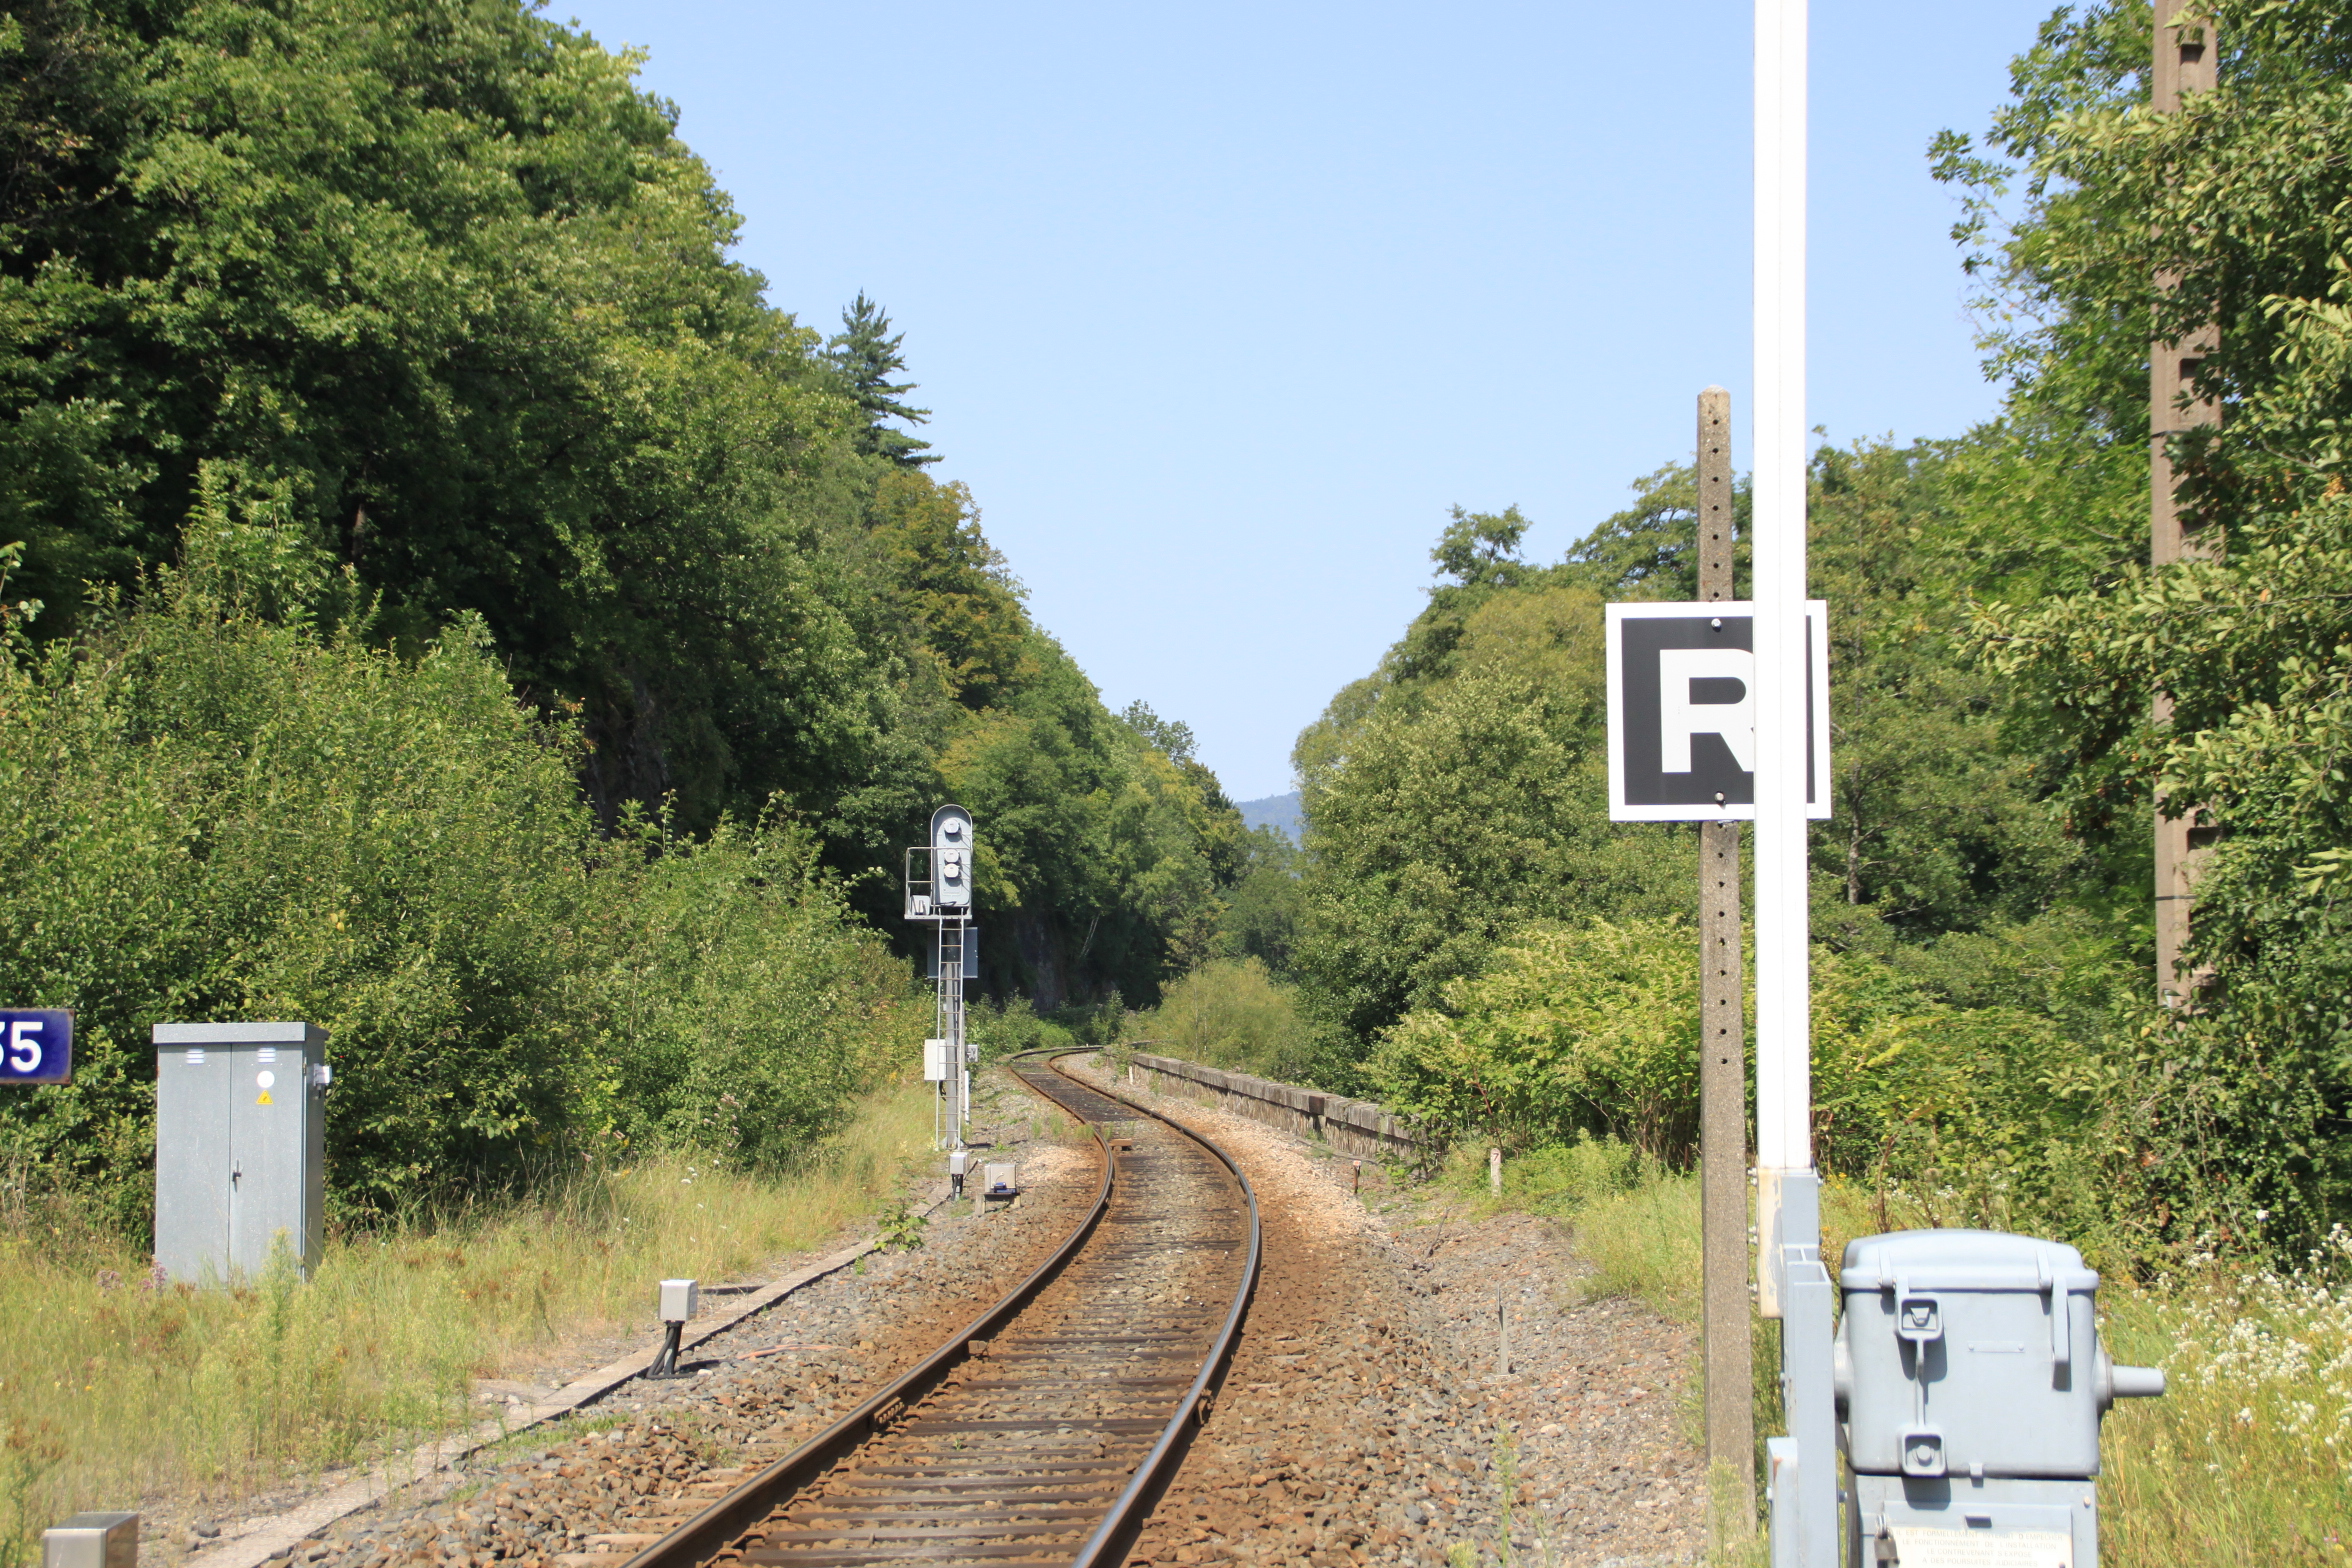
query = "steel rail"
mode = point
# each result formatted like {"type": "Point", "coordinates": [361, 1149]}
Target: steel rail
{"type": "Point", "coordinates": [710, 1532]}
{"type": "Point", "coordinates": [1117, 1532]}
{"type": "Point", "coordinates": [713, 1530]}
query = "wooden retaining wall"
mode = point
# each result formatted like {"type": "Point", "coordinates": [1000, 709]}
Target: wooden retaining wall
{"type": "Point", "coordinates": [1355, 1127]}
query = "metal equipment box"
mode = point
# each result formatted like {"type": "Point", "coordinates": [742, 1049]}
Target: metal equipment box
{"type": "Point", "coordinates": [1970, 1349]}
{"type": "Point", "coordinates": [240, 1147]}
{"type": "Point", "coordinates": [1972, 1382]}
{"type": "Point", "coordinates": [101, 1540]}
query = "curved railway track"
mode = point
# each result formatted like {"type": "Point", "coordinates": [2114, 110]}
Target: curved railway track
{"type": "Point", "coordinates": [1045, 1430]}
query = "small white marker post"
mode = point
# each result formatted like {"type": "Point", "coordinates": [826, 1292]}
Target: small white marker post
{"type": "Point", "coordinates": [1793, 1285]}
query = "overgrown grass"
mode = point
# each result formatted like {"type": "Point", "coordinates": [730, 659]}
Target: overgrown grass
{"type": "Point", "coordinates": [1644, 1243]}
{"type": "Point", "coordinates": [1636, 1221]}
{"type": "Point", "coordinates": [116, 1389]}
{"type": "Point", "coordinates": [2248, 1457]}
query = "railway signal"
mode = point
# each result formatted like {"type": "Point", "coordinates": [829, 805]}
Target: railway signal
{"type": "Point", "coordinates": [939, 882]}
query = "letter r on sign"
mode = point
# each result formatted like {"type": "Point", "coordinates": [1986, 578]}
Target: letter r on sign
{"type": "Point", "coordinates": [1686, 708]}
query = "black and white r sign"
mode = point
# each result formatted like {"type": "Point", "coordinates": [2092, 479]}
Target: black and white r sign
{"type": "Point", "coordinates": [1682, 712]}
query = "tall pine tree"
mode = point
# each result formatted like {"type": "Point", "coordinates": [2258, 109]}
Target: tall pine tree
{"type": "Point", "coordinates": [866, 353]}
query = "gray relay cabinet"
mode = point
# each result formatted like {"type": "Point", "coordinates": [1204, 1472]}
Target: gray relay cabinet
{"type": "Point", "coordinates": [240, 1147]}
{"type": "Point", "coordinates": [1971, 1384]}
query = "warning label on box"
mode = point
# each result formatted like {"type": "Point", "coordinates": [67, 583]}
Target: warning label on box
{"type": "Point", "coordinates": [1921, 1548]}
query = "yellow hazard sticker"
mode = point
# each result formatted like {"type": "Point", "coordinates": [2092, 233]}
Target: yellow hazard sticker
{"type": "Point", "coordinates": [265, 1099]}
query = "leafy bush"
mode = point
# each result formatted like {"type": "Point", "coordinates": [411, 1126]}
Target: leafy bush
{"type": "Point", "coordinates": [1001, 1028]}
{"type": "Point", "coordinates": [1588, 1029]}
{"type": "Point", "coordinates": [1231, 1013]}
{"type": "Point", "coordinates": [220, 816]}
{"type": "Point", "coordinates": [740, 1003]}
{"type": "Point", "coordinates": [2035, 1113]}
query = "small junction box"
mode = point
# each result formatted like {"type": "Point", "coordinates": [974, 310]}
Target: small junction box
{"type": "Point", "coordinates": [99, 1540]}
{"type": "Point", "coordinates": [1970, 1387]}
{"type": "Point", "coordinates": [240, 1147]}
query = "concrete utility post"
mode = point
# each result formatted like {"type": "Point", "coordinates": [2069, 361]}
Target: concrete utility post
{"type": "Point", "coordinates": [1723, 1073]}
{"type": "Point", "coordinates": [2184, 64]}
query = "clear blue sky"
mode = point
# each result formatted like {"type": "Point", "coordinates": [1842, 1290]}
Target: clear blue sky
{"type": "Point", "coordinates": [1220, 306]}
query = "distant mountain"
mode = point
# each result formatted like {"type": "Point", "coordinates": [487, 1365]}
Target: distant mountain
{"type": "Point", "coordinates": [1275, 811]}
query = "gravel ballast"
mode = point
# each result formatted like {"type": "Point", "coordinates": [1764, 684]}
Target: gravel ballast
{"type": "Point", "coordinates": [1366, 1417]}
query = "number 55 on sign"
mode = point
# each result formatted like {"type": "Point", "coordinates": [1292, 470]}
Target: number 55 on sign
{"type": "Point", "coordinates": [36, 1045]}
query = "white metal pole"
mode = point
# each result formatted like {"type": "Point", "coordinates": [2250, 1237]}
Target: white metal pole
{"type": "Point", "coordinates": [963, 1072]}
{"type": "Point", "coordinates": [1794, 1285]}
{"type": "Point", "coordinates": [945, 1126]}
{"type": "Point", "coordinates": [1783, 980]}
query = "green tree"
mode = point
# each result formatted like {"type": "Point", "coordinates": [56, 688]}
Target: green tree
{"type": "Point", "coordinates": [433, 286]}
{"type": "Point", "coordinates": [1938, 823]}
{"type": "Point", "coordinates": [1172, 738]}
{"type": "Point", "coordinates": [866, 353]}
{"type": "Point", "coordinates": [1265, 904]}
{"type": "Point", "coordinates": [424, 307]}
{"type": "Point", "coordinates": [1463, 806]}
{"type": "Point", "coordinates": [2080, 199]}
{"type": "Point", "coordinates": [1482, 547]}
{"type": "Point", "coordinates": [1650, 550]}
{"type": "Point", "coordinates": [414, 324]}
{"type": "Point", "coordinates": [1590, 1029]}
{"type": "Point", "coordinates": [1230, 1012]}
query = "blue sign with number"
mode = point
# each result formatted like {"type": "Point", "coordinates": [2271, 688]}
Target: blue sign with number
{"type": "Point", "coordinates": [36, 1045]}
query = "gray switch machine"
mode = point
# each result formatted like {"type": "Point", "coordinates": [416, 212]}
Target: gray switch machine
{"type": "Point", "coordinates": [1970, 1387]}
{"type": "Point", "coordinates": [240, 1147]}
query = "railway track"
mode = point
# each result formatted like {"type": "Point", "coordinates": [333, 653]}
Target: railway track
{"type": "Point", "coordinates": [1046, 1429]}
